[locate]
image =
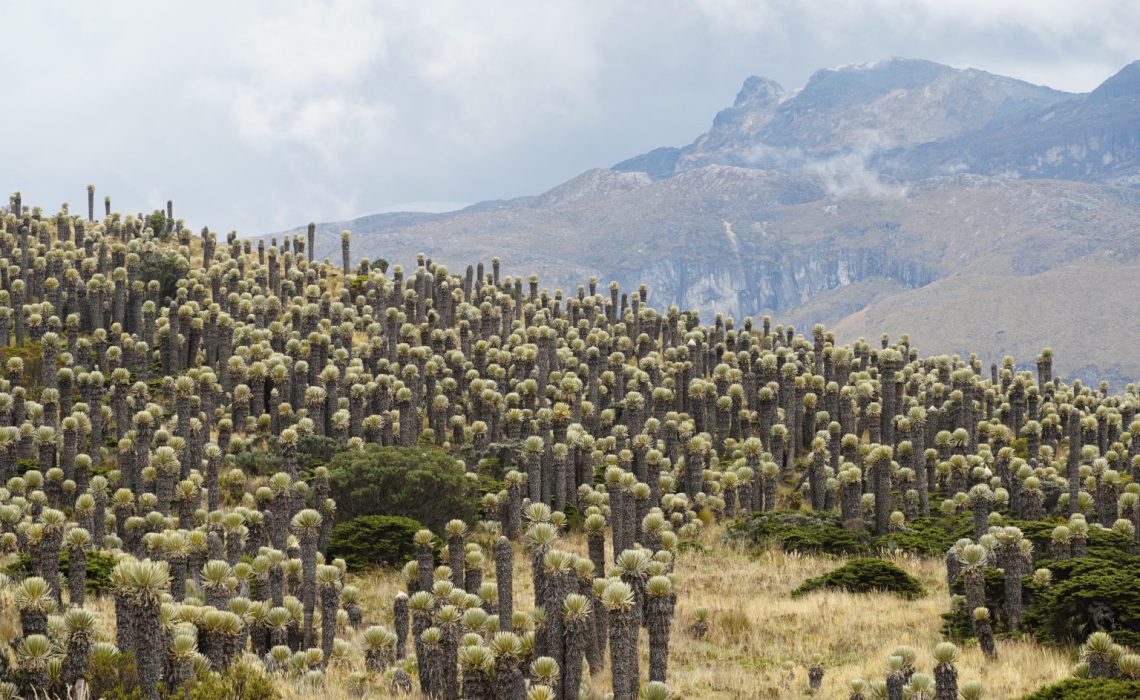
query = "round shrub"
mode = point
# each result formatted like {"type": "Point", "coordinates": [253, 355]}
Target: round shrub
{"type": "Point", "coordinates": [865, 576]}
{"type": "Point", "coordinates": [374, 540]}
{"type": "Point", "coordinates": [314, 451]}
{"type": "Point", "coordinates": [425, 484]}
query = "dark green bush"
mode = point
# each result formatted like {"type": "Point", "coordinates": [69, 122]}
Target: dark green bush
{"type": "Point", "coordinates": [316, 451]}
{"type": "Point", "coordinates": [99, 566]}
{"type": "Point", "coordinates": [501, 457]}
{"type": "Point", "coordinates": [928, 537]}
{"type": "Point", "coordinates": [256, 461]}
{"type": "Point", "coordinates": [1088, 689]}
{"type": "Point", "coordinates": [803, 532]}
{"type": "Point", "coordinates": [166, 266]}
{"type": "Point", "coordinates": [357, 285]}
{"type": "Point", "coordinates": [865, 576]}
{"type": "Point", "coordinates": [1021, 448]}
{"type": "Point", "coordinates": [425, 484]}
{"type": "Point", "coordinates": [1087, 594]}
{"type": "Point", "coordinates": [263, 459]}
{"type": "Point", "coordinates": [157, 222]}
{"type": "Point", "coordinates": [374, 540]}
{"type": "Point", "coordinates": [1102, 543]}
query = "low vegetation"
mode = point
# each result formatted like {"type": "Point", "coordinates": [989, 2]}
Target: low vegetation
{"type": "Point", "coordinates": [1088, 689]}
{"type": "Point", "coordinates": [425, 484]}
{"type": "Point", "coordinates": [369, 541]}
{"type": "Point", "coordinates": [864, 576]}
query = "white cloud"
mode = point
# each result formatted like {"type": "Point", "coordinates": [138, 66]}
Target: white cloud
{"type": "Point", "coordinates": [266, 114]}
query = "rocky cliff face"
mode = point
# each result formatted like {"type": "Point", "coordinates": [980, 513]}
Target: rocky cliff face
{"type": "Point", "coordinates": [739, 286]}
{"type": "Point", "coordinates": [903, 196]}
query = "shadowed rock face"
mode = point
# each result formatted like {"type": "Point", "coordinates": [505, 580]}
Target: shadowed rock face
{"type": "Point", "coordinates": [968, 209]}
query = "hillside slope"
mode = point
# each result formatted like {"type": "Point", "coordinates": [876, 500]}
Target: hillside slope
{"type": "Point", "coordinates": [900, 194]}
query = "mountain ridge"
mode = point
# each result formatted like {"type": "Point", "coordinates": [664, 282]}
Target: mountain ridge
{"type": "Point", "coordinates": [845, 201]}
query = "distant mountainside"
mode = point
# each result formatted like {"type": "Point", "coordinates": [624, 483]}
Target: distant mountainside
{"type": "Point", "coordinates": [968, 209]}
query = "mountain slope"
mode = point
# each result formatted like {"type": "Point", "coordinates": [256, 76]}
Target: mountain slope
{"type": "Point", "coordinates": [874, 109]}
{"type": "Point", "coordinates": [901, 194]}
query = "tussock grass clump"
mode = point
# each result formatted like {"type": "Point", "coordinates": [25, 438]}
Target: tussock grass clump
{"type": "Point", "coordinates": [733, 623]}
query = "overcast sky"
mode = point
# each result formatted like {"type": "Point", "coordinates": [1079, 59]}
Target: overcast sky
{"type": "Point", "coordinates": [264, 115]}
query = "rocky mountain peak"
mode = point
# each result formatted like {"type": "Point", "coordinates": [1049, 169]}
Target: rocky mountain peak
{"type": "Point", "coordinates": [758, 93]}
{"type": "Point", "coordinates": [860, 83]}
{"type": "Point", "coordinates": [1125, 83]}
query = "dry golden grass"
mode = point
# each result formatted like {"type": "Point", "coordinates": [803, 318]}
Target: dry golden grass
{"type": "Point", "coordinates": [761, 640]}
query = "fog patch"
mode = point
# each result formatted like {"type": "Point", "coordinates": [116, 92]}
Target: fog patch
{"type": "Point", "coordinates": [847, 174]}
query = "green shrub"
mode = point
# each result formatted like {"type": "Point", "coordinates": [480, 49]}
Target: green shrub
{"type": "Point", "coordinates": [1087, 594]}
{"type": "Point", "coordinates": [1105, 544]}
{"type": "Point", "coordinates": [865, 576]}
{"type": "Point", "coordinates": [166, 266]}
{"type": "Point", "coordinates": [357, 285]}
{"type": "Point", "coordinates": [264, 459]}
{"type": "Point", "coordinates": [157, 222]}
{"type": "Point", "coordinates": [802, 532]}
{"type": "Point", "coordinates": [425, 484]}
{"type": "Point", "coordinates": [241, 681]}
{"type": "Point", "coordinates": [99, 566]}
{"type": "Point", "coordinates": [374, 540]}
{"type": "Point", "coordinates": [112, 676]}
{"type": "Point", "coordinates": [256, 461]}
{"type": "Point", "coordinates": [1021, 448]}
{"type": "Point", "coordinates": [316, 451]}
{"type": "Point", "coordinates": [928, 537]}
{"type": "Point", "coordinates": [1088, 689]}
